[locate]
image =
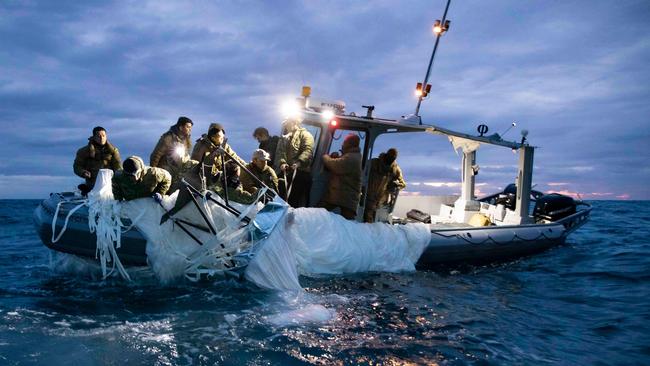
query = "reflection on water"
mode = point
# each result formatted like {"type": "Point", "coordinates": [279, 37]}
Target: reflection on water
{"type": "Point", "coordinates": [581, 303]}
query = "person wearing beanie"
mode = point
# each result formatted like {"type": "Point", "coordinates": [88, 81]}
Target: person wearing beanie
{"type": "Point", "coordinates": [178, 140]}
{"type": "Point", "coordinates": [267, 143]}
{"type": "Point", "coordinates": [97, 154]}
{"type": "Point", "coordinates": [259, 167]}
{"type": "Point", "coordinates": [344, 185]}
{"type": "Point", "coordinates": [385, 181]}
{"type": "Point", "coordinates": [137, 180]}
{"type": "Point", "coordinates": [206, 152]}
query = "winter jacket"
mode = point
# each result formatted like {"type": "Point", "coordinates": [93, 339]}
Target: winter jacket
{"type": "Point", "coordinates": [206, 148]}
{"type": "Point", "coordinates": [236, 193]}
{"type": "Point", "coordinates": [382, 177]}
{"type": "Point", "coordinates": [93, 157]}
{"type": "Point", "coordinates": [267, 176]}
{"type": "Point", "coordinates": [162, 155]}
{"type": "Point", "coordinates": [344, 186]}
{"type": "Point", "coordinates": [297, 148]}
{"type": "Point", "coordinates": [154, 180]}
{"type": "Point", "coordinates": [182, 170]}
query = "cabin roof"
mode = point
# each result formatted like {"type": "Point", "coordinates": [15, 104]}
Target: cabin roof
{"type": "Point", "coordinates": [401, 126]}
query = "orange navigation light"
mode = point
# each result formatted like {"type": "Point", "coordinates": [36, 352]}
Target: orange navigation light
{"type": "Point", "coordinates": [418, 90]}
{"type": "Point", "coordinates": [437, 27]}
{"type": "Point", "coordinates": [306, 91]}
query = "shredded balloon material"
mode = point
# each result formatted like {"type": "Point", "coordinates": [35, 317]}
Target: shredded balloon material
{"type": "Point", "coordinates": [104, 220]}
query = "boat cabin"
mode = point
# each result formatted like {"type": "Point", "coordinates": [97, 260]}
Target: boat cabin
{"type": "Point", "coordinates": [329, 124]}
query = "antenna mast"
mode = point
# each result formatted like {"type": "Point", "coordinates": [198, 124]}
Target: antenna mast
{"type": "Point", "coordinates": [423, 89]}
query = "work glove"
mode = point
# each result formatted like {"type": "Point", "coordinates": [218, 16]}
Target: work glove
{"type": "Point", "coordinates": [157, 197]}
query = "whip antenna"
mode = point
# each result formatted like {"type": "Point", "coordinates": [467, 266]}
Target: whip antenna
{"type": "Point", "coordinates": [423, 89]}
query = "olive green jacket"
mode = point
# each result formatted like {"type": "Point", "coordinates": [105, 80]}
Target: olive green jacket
{"type": "Point", "coordinates": [206, 149]}
{"type": "Point", "coordinates": [93, 157]}
{"type": "Point", "coordinates": [238, 194]}
{"type": "Point", "coordinates": [154, 180]}
{"type": "Point", "coordinates": [267, 176]}
{"type": "Point", "coordinates": [180, 171]}
{"type": "Point", "coordinates": [381, 177]}
{"type": "Point", "coordinates": [162, 155]}
{"type": "Point", "coordinates": [344, 185]}
{"type": "Point", "coordinates": [297, 148]}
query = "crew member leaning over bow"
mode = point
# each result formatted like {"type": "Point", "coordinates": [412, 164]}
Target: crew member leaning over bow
{"type": "Point", "coordinates": [137, 180]}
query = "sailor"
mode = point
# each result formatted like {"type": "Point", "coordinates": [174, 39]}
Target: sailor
{"type": "Point", "coordinates": [294, 158]}
{"type": "Point", "coordinates": [176, 141]}
{"type": "Point", "coordinates": [384, 182]}
{"type": "Point", "coordinates": [267, 143]}
{"type": "Point", "coordinates": [344, 185]}
{"type": "Point", "coordinates": [261, 170]}
{"type": "Point", "coordinates": [233, 186]}
{"type": "Point", "coordinates": [206, 150]}
{"type": "Point", "coordinates": [98, 154]}
{"type": "Point", "coordinates": [138, 180]}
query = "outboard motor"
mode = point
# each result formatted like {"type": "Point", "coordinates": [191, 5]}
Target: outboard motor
{"type": "Point", "coordinates": [554, 206]}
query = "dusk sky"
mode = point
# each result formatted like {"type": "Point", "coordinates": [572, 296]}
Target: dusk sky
{"type": "Point", "coordinates": [574, 73]}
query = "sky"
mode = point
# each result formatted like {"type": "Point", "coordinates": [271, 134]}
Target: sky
{"type": "Point", "coordinates": [575, 74]}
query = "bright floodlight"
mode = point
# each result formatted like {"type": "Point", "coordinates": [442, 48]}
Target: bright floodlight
{"type": "Point", "coordinates": [418, 92]}
{"type": "Point", "coordinates": [290, 108]}
{"type": "Point", "coordinates": [328, 114]}
{"type": "Point", "coordinates": [437, 29]}
{"type": "Point", "coordinates": [180, 151]}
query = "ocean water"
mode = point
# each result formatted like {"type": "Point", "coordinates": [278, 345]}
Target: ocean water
{"type": "Point", "coordinates": [586, 302]}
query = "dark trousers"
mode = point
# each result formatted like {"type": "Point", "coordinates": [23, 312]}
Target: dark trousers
{"type": "Point", "coordinates": [344, 211]}
{"type": "Point", "coordinates": [300, 188]}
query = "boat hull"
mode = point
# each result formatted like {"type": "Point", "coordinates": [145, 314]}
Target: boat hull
{"type": "Point", "coordinates": [77, 238]}
{"type": "Point", "coordinates": [448, 246]}
{"type": "Point", "coordinates": [481, 245]}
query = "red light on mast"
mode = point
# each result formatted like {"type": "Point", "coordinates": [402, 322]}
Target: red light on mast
{"type": "Point", "coordinates": [334, 123]}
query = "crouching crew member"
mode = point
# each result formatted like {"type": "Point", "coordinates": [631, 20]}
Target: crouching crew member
{"type": "Point", "coordinates": [344, 185]}
{"type": "Point", "coordinates": [138, 180]}
{"type": "Point", "coordinates": [175, 142]}
{"type": "Point", "coordinates": [294, 154]}
{"type": "Point", "coordinates": [261, 170]}
{"type": "Point", "coordinates": [98, 154]}
{"type": "Point", "coordinates": [233, 186]}
{"type": "Point", "coordinates": [385, 180]}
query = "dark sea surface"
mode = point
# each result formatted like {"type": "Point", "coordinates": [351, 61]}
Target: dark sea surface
{"type": "Point", "coordinates": [583, 303]}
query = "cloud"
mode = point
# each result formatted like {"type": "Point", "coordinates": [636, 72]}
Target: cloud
{"type": "Point", "coordinates": [135, 67]}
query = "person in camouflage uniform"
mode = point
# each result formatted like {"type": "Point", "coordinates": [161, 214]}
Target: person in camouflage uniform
{"type": "Point", "coordinates": [138, 180]}
{"type": "Point", "coordinates": [295, 153]}
{"type": "Point", "coordinates": [176, 141]}
{"type": "Point", "coordinates": [236, 192]}
{"type": "Point", "coordinates": [385, 176]}
{"type": "Point", "coordinates": [98, 154]}
{"type": "Point", "coordinates": [260, 169]}
{"type": "Point", "coordinates": [206, 152]}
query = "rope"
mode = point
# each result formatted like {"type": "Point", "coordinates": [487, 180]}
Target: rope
{"type": "Point", "coordinates": [65, 223]}
{"type": "Point", "coordinates": [293, 177]}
